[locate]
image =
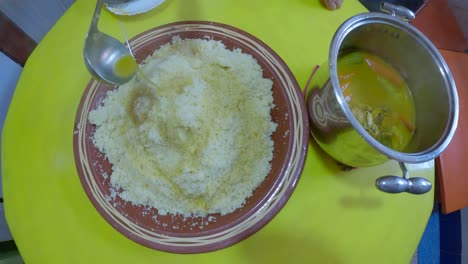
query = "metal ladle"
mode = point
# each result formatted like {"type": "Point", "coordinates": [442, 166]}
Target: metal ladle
{"type": "Point", "coordinates": [102, 53]}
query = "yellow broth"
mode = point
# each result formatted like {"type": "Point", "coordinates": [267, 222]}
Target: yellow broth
{"type": "Point", "coordinates": [125, 66]}
{"type": "Point", "coordinates": [379, 98]}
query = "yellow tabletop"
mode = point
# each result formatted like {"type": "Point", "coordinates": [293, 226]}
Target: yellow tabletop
{"type": "Point", "coordinates": [332, 217]}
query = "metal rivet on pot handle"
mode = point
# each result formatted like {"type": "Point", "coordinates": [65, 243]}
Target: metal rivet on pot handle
{"type": "Point", "coordinates": [395, 184]}
{"type": "Point", "coordinates": [398, 11]}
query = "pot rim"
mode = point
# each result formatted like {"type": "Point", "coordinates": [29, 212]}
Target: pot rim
{"type": "Point", "coordinates": [377, 18]}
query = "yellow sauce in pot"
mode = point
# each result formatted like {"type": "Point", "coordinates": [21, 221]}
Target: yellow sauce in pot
{"type": "Point", "coordinates": [379, 98]}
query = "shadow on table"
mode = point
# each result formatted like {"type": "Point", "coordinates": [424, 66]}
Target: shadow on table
{"type": "Point", "coordinates": [361, 180]}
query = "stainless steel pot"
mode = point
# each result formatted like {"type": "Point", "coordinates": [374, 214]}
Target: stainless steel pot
{"type": "Point", "coordinates": [340, 134]}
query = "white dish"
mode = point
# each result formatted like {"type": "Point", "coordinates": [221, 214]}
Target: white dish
{"type": "Point", "coordinates": [134, 7]}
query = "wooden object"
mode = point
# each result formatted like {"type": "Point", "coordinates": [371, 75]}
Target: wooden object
{"type": "Point", "coordinates": [450, 166]}
{"type": "Point", "coordinates": [437, 22]}
{"type": "Point", "coordinates": [14, 42]}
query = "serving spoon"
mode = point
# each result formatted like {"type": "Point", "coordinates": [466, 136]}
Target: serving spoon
{"type": "Point", "coordinates": [106, 58]}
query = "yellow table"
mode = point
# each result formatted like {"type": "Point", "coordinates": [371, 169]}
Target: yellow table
{"type": "Point", "coordinates": [332, 217]}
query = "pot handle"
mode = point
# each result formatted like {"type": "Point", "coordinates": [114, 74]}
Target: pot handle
{"type": "Point", "coordinates": [395, 184]}
{"type": "Point", "coordinates": [397, 11]}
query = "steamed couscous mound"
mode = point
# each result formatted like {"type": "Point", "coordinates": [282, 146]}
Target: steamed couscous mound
{"type": "Point", "coordinates": [200, 142]}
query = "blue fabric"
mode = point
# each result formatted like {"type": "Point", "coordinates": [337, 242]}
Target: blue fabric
{"type": "Point", "coordinates": [450, 238]}
{"type": "Point", "coordinates": [442, 239]}
{"type": "Point", "coordinates": [429, 248]}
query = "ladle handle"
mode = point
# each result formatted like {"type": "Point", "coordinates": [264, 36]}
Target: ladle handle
{"type": "Point", "coordinates": [395, 184]}
{"type": "Point", "coordinates": [97, 13]}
